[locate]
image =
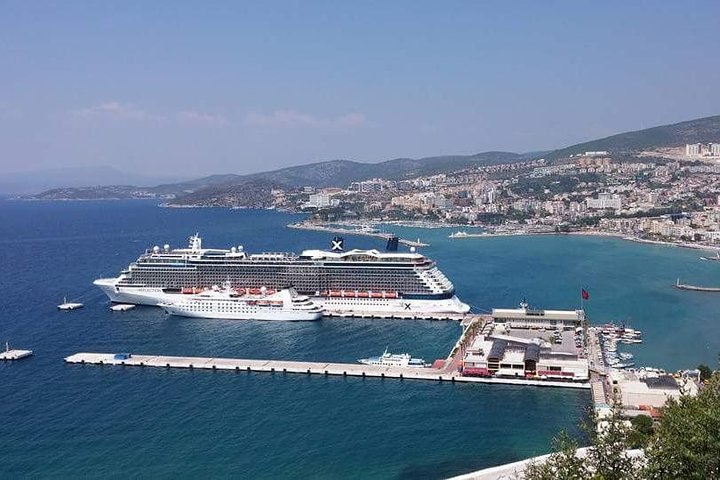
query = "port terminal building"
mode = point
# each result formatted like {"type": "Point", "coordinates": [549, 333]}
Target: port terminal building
{"type": "Point", "coordinates": [529, 343]}
{"type": "Point", "coordinates": [525, 317]}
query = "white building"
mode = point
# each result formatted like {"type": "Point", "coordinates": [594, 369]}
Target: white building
{"type": "Point", "coordinates": [693, 149]}
{"type": "Point", "coordinates": [605, 200]}
{"type": "Point", "coordinates": [531, 318]}
{"type": "Point", "coordinates": [319, 200]}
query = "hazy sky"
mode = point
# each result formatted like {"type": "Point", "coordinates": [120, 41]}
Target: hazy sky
{"type": "Point", "coordinates": [215, 87]}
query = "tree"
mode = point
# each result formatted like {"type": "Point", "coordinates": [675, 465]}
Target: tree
{"type": "Point", "coordinates": [562, 464]}
{"type": "Point", "coordinates": [606, 458]}
{"type": "Point", "coordinates": [687, 441]}
{"type": "Point", "coordinates": [705, 372]}
{"type": "Point", "coordinates": [642, 431]}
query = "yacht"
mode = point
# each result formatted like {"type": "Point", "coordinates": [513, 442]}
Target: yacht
{"type": "Point", "coordinates": [394, 360]}
{"type": "Point", "coordinates": [229, 303]}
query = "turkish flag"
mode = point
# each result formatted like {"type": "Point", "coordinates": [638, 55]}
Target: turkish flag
{"type": "Point", "coordinates": [585, 294]}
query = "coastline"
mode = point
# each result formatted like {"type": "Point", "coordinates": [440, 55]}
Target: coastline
{"type": "Point", "coordinates": [428, 225]}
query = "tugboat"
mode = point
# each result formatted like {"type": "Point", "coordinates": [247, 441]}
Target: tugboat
{"type": "Point", "coordinates": [394, 360]}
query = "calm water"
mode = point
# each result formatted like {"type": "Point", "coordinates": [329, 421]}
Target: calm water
{"type": "Point", "coordinates": [60, 420]}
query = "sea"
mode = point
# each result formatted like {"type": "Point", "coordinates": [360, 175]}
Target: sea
{"type": "Point", "coordinates": [59, 420]}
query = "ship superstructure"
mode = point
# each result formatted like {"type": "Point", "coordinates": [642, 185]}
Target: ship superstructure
{"type": "Point", "coordinates": [341, 282]}
{"type": "Point", "coordinates": [229, 303]}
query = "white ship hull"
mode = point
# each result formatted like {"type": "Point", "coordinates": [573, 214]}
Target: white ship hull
{"type": "Point", "coordinates": [392, 307]}
{"type": "Point", "coordinates": [246, 314]}
{"type": "Point", "coordinates": [339, 306]}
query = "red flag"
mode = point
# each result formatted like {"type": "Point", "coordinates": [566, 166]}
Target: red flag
{"type": "Point", "coordinates": [585, 294]}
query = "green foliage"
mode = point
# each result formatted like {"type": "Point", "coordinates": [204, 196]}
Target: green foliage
{"type": "Point", "coordinates": [705, 372]}
{"type": "Point", "coordinates": [561, 465]}
{"type": "Point", "coordinates": [606, 457]}
{"type": "Point", "coordinates": [641, 432]}
{"type": "Point", "coordinates": [687, 443]}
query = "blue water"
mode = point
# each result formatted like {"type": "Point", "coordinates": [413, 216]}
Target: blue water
{"type": "Point", "coordinates": [60, 420]}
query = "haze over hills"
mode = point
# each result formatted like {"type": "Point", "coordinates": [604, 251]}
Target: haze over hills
{"type": "Point", "coordinates": [41, 180]}
{"type": "Point", "coordinates": [339, 173]}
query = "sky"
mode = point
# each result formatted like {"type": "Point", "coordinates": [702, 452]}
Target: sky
{"type": "Point", "coordinates": [196, 88]}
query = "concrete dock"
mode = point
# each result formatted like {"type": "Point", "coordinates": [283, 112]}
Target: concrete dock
{"type": "Point", "coordinates": [15, 354]}
{"type": "Point", "coordinates": [307, 368]}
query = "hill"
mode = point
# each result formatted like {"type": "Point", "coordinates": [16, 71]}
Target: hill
{"type": "Point", "coordinates": [343, 172]}
{"type": "Point", "coordinates": [220, 189]}
{"type": "Point", "coordinates": [705, 129]}
{"type": "Point", "coordinates": [54, 178]}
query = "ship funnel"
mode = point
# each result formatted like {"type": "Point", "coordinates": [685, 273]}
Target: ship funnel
{"type": "Point", "coordinates": [337, 244]}
{"type": "Point", "coordinates": [392, 244]}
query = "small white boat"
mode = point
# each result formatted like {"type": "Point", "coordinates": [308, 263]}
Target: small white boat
{"type": "Point", "coordinates": [459, 234]}
{"type": "Point", "coordinates": [394, 360]}
{"type": "Point", "coordinates": [69, 305]}
{"type": "Point", "coordinates": [122, 307]}
{"type": "Point", "coordinates": [14, 354]}
{"type": "Point", "coordinates": [624, 365]}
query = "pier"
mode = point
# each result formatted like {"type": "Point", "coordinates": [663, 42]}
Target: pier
{"type": "Point", "coordinates": [684, 286]}
{"type": "Point", "coordinates": [304, 368]}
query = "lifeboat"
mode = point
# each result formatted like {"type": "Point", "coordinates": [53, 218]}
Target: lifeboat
{"type": "Point", "coordinates": [363, 294]}
{"type": "Point", "coordinates": [377, 294]}
{"type": "Point", "coordinates": [335, 293]}
{"type": "Point", "coordinates": [269, 291]}
{"type": "Point", "coordinates": [186, 290]}
{"type": "Point", "coordinates": [391, 295]}
{"type": "Point", "coordinates": [254, 291]}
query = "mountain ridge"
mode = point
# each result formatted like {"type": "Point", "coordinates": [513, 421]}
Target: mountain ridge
{"type": "Point", "coordinates": [339, 173]}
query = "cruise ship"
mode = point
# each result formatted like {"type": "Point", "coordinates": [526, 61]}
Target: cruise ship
{"type": "Point", "coordinates": [350, 283]}
{"type": "Point", "coordinates": [231, 304]}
